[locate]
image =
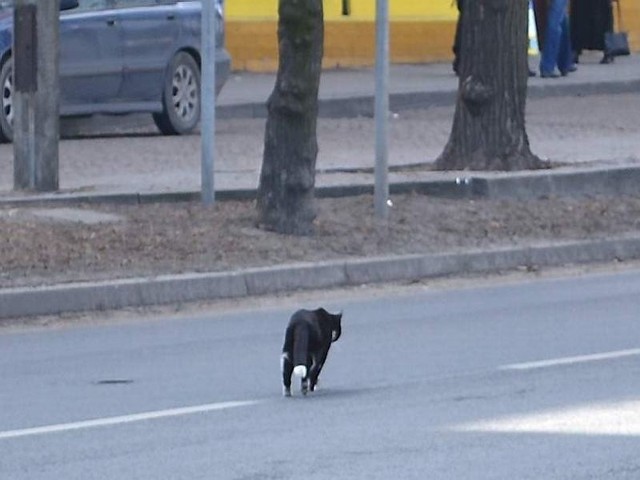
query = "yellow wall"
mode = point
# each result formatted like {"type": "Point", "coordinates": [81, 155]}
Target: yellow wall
{"type": "Point", "coordinates": [251, 9]}
{"type": "Point", "coordinates": [421, 31]}
{"type": "Point", "coordinates": [360, 9]}
{"type": "Point", "coordinates": [631, 22]}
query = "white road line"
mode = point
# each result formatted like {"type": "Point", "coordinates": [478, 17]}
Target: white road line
{"type": "Point", "coordinates": [139, 417]}
{"type": "Point", "coordinates": [571, 360]}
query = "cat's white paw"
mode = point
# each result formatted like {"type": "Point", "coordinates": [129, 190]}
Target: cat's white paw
{"type": "Point", "coordinates": [300, 371]}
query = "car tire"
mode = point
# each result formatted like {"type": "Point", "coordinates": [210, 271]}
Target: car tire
{"type": "Point", "coordinates": [180, 97]}
{"type": "Point", "coordinates": [6, 101]}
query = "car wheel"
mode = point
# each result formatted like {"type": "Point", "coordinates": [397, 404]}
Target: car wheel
{"type": "Point", "coordinates": [6, 102]}
{"type": "Point", "coordinates": [180, 97]}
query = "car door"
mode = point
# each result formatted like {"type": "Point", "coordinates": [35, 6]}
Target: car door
{"type": "Point", "coordinates": [150, 31]}
{"type": "Point", "coordinates": [90, 57]}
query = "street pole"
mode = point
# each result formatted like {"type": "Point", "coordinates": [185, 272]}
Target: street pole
{"type": "Point", "coordinates": [208, 94]}
{"type": "Point", "coordinates": [381, 189]}
{"type": "Point", "coordinates": [36, 96]}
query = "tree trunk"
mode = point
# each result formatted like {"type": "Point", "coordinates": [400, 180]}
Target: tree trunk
{"type": "Point", "coordinates": [286, 201]}
{"type": "Point", "coordinates": [488, 130]}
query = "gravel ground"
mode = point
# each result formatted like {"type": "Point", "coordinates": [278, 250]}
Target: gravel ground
{"type": "Point", "coordinates": [52, 245]}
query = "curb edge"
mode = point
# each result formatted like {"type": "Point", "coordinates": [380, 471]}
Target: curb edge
{"type": "Point", "coordinates": [167, 289]}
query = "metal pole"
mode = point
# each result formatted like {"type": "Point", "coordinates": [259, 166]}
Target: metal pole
{"type": "Point", "coordinates": [381, 190]}
{"type": "Point", "coordinates": [36, 123]}
{"type": "Point", "coordinates": [208, 104]}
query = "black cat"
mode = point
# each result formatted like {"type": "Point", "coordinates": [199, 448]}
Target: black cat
{"type": "Point", "coordinates": [307, 340]}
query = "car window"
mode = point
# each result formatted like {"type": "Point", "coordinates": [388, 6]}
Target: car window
{"type": "Point", "coordinates": [93, 4]}
{"type": "Point", "coordinates": [142, 3]}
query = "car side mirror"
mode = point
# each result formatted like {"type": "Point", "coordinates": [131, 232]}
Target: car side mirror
{"type": "Point", "coordinates": [68, 4]}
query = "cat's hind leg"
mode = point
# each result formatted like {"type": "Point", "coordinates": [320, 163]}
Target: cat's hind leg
{"type": "Point", "coordinates": [302, 371]}
{"type": "Point", "coordinates": [286, 366]}
{"type": "Point", "coordinates": [316, 368]}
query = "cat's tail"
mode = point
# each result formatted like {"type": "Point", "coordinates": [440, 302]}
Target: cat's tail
{"type": "Point", "coordinates": [300, 349]}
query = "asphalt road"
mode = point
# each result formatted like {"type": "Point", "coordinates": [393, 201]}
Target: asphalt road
{"type": "Point", "coordinates": [527, 380]}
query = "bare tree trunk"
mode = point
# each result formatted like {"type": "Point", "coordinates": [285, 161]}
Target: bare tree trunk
{"type": "Point", "coordinates": [286, 202]}
{"type": "Point", "coordinates": [488, 130]}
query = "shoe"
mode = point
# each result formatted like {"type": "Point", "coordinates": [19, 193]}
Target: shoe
{"type": "Point", "coordinates": [569, 70]}
{"type": "Point", "coordinates": [553, 74]}
{"type": "Point", "coordinates": [532, 73]}
{"type": "Point", "coordinates": [607, 59]}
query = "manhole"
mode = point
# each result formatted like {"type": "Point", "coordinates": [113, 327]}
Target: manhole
{"type": "Point", "coordinates": [114, 381]}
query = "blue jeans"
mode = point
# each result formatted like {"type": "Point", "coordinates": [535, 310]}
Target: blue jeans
{"type": "Point", "coordinates": [557, 43]}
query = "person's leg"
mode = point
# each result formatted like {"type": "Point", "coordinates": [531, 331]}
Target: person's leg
{"type": "Point", "coordinates": [540, 14]}
{"type": "Point", "coordinates": [607, 27]}
{"type": "Point", "coordinates": [549, 59]}
{"type": "Point", "coordinates": [457, 39]}
{"type": "Point", "coordinates": [576, 23]}
{"type": "Point", "coordinates": [565, 53]}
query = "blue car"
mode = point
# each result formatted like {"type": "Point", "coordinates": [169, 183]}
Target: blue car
{"type": "Point", "coordinates": [124, 56]}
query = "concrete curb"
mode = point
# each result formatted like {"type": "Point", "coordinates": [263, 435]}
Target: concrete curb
{"type": "Point", "coordinates": [167, 289]}
{"type": "Point", "coordinates": [524, 185]}
{"type": "Point", "coordinates": [613, 180]}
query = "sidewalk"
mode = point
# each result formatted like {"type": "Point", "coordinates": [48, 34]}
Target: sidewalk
{"type": "Point", "coordinates": [350, 92]}
{"type": "Point", "coordinates": [589, 122]}
{"type": "Point", "coordinates": [126, 156]}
